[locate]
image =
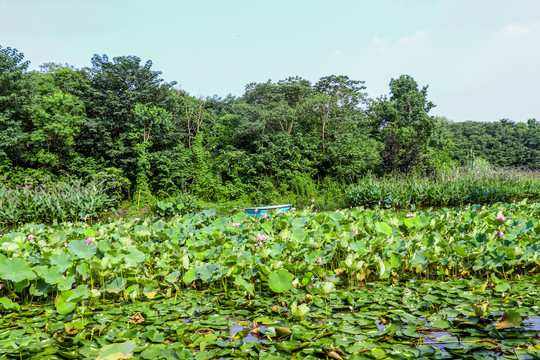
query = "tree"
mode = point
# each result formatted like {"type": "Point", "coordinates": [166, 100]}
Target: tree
{"type": "Point", "coordinates": [116, 86]}
{"type": "Point", "coordinates": [16, 98]}
{"type": "Point", "coordinates": [403, 124]}
{"type": "Point", "coordinates": [57, 119]}
{"type": "Point", "coordinates": [337, 100]}
{"type": "Point", "coordinates": [145, 121]}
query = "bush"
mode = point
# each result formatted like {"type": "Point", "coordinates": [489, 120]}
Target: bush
{"type": "Point", "coordinates": [49, 201]}
{"type": "Point", "coordinates": [178, 205]}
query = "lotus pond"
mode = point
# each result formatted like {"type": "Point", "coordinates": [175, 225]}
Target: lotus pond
{"type": "Point", "coordinates": [351, 284]}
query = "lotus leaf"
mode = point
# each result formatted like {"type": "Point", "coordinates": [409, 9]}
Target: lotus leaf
{"type": "Point", "coordinates": [117, 351]}
{"type": "Point", "coordinates": [510, 319]}
{"type": "Point", "coordinates": [280, 281]}
{"type": "Point", "coordinates": [16, 270]}
{"type": "Point", "coordinates": [7, 304]}
{"type": "Point", "coordinates": [83, 250]}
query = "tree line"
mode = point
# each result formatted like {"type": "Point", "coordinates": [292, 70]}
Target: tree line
{"type": "Point", "coordinates": [119, 122]}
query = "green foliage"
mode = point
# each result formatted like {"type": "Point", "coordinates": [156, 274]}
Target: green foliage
{"type": "Point", "coordinates": [89, 170]}
{"type": "Point", "coordinates": [278, 253]}
{"type": "Point", "coordinates": [179, 205]}
{"type": "Point", "coordinates": [478, 183]}
{"type": "Point", "coordinates": [299, 283]}
{"type": "Point", "coordinates": [52, 201]}
{"type": "Point", "coordinates": [119, 122]}
{"type": "Point", "coordinates": [56, 119]}
{"type": "Point", "coordinates": [16, 99]}
{"type": "Point", "coordinates": [403, 124]}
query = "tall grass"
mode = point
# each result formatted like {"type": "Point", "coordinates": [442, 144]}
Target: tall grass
{"type": "Point", "coordinates": [474, 184]}
{"type": "Point", "coordinates": [48, 201]}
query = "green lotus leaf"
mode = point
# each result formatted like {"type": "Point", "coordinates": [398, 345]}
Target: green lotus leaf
{"type": "Point", "coordinates": [189, 276]}
{"type": "Point", "coordinates": [240, 282]}
{"type": "Point", "coordinates": [299, 311]}
{"type": "Point", "coordinates": [172, 277]}
{"type": "Point", "coordinates": [16, 270]}
{"type": "Point", "coordinates": [155, 336]}
{"type": "Point", "coordinates": [9, 247]}
{"type": "Point", "coordinates": [207, 271]}
{"type": "Point", "coordinates": [280, 281]}
{"type": "Point", "coordinates": [134, 256]}
{"type": "Point", "coordinates": [115, 285]}
{"type": "Point", "coordinates": [328, 287]}
{"type": "Point", "coordinates": [52, 275]}
{"type": "Point", "coordinates": [384, 269]}
{"type": "Point", "coordinates": [383, 228]}
{"type": "Point", "coordinates": [7, 304]}
{"type": "Point", "coordinates": [83, 250]}
{"type": "Point", "coordinates": [117, 351]}
{"type": "Point", "coordinates": [62, 261]}
{"type": "Point", "coordinates": [510, 319]}
{"type": "Point", "coordinates": [65, 305]}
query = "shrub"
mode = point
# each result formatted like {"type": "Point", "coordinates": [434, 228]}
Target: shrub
{"type": "Point", "coordinates": [49, 201]}
{"type": "Point", "coordinates": [179, 205]}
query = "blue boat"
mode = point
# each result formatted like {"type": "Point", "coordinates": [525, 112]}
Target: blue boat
{"type": "Point", "coordinates": [261, 210]}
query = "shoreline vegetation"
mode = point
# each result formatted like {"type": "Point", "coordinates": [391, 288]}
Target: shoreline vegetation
{"type": "Point", "coordinates": [141, 140]}
{"type": "Point", "coordinates": [72, 200]}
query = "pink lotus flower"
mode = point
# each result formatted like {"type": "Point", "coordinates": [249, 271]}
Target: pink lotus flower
{"type": "Point", "coordinates": [500, 234]}
{"type": "Point", "coordinates": [63, 277]}
{"type": "Point", "coordinates": [30, 237]}
{"type": "Point", "coordinates": [319, 259]}
{"type": "Point", "coordinates": [379, 202]}
{"type": "Point", "coordinates": [265, 215]}
{"type": "Point", "coordinates": [409, 215]}
{"type": "Point", "coordinates": [84, 278]}
{"type": "Point", "coordinates": [65, 244]}
{"type": "Point", "coordinates": [261, 238]}
{"type": "Point", "coordinates": [89, 240]}
{"type": "Point", "coordinates": [501, 217]}
{"type": "Point", "coordinates": [355, 231]}
{"type": "Point", "coordinates": [112, 244]}
{"type": "Point", "coordinates": [313, 200]}
{"type": "Point", "coordinates": [256, 244]}
{"type": "Point", "coordinates": [235, 224]}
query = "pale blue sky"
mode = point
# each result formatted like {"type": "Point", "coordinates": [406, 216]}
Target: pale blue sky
{"type": "Point", "coordinates": [480, 58]}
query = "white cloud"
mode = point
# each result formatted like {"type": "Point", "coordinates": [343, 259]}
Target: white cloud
{"type": "Point", "coordinates": [377, 40]}
{"type": "Point", "coordinates": [522, 28]}
{"type": "Point", "coordinates": [409, 39]}
{"type": "Point", "coordinates": [381, 43]}
{"type": "Point", "coordinates": [337, 54]}
{"type": "Point", "coordinates": [516, 29]}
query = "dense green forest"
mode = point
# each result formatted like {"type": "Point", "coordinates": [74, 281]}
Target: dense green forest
{"type": "Point", "coordinates": [118, 123]}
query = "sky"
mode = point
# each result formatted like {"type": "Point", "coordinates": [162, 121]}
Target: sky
{"type": "Point", "coordinates": [480, 58]}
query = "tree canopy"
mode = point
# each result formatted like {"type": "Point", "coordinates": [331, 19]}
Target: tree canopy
{"type": "Point", "coordinates": [119, 119]}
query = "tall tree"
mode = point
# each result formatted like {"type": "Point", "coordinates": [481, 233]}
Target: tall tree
{"type": "Point", "coordinates": [403, 123]}
{"type": "Point", "coordinates": [116, 86]}
{"type": "Point", "coordinates": [16, 99]}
